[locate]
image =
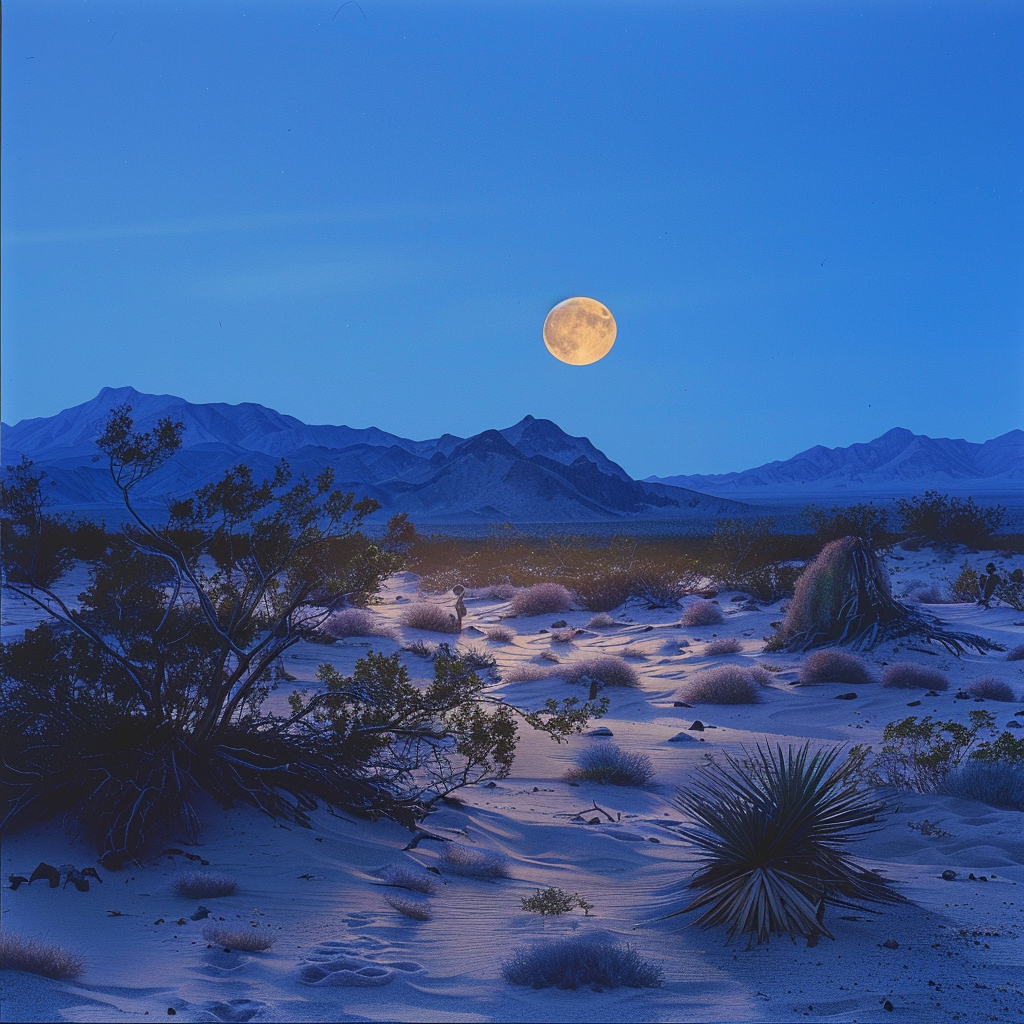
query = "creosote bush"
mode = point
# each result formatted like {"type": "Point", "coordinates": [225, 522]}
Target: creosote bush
{"type": "Point", "coordinates": [541, 599]}
{"type": "Point", "coordinates": [204, 885]}
{"type": "Point", "coordinates": [232, 937]}
{"type": "Point", "coordinates": [357, 622]}
{"type": "Point", "coordinates": [702, 613]}
{"type": "Point", "coordinates": [608, 764]}
{"type": "Point", "coordinates": [832, 666]}
{"type": "Point", "coordinates": [19, 953]}
{"type": "Point", "coordinates": [607, 671]}
{"type": "Point", "coordinates": [432, 617]}
{"type": "Point", "coordinates": [723, 645]}
{"type": "Point", "coordinates": [473, 863]}
{"type": "Point", "coordinates": [908, 675]}
{"type": "Point", "coordinates": [579, 962]}
{"type": "Point", "coordinates": [723, 684]}
{"type": "Point", "coordinates": [413, 907]}
{"type": "Point", "coordinates": [991, 689]}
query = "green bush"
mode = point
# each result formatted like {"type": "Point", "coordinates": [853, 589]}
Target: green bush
{"type": "Point", "coordinates": [551, 902]}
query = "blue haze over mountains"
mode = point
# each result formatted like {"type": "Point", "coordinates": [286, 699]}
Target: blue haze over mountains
{"type": "Point", "coordinates": [531, 472]}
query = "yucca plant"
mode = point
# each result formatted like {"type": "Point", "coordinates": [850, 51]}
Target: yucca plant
{"type": "Point", "coordinates": [773, 830]}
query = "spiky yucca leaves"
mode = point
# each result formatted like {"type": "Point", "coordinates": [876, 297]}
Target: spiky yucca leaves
{"type": "Point", "coordinates": [773, 830]}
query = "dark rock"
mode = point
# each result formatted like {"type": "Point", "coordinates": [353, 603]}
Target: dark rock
{"type": "Point", "coordinates": [887, 1006]}
{"type": "Point", "coordinates": [601, 730]}
{"type": "Point", "coordinates": [1012, 724]}
{"type": "Point", "coordinates": [971, 877]}
{"type": "Point", "coordinates": [543, 631]}
{"type": "Point", "coordinates": [913, 703]}
{"type": "Point", "coordinates": [948, 875]}
{"type": "Point", "coordinates": [680, 737]}
{"type": "Point", "coordinates": [698, 726]}
{"type": "Point", "coordinates": [891, 944]}
{"type": "Point", "coordinates": [594, 821]}
{"type": "Point", "coordinates": [200, 914]}
{"type": "Point", "coordinates": [560, 624]}
{"type": "Point", "coordinates": [647, 629]}
{"type": "Point", "coordinates": [846, 696]}
{"type": "Point", "coordinates": [930, 693]}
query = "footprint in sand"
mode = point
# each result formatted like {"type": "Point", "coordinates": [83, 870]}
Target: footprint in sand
{"type": "Point", "coordinates": [340, 964]}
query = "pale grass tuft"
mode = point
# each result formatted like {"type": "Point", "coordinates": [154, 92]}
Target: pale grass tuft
{"type": "Point", "coordinates": [19, 953]}
{"type": "Point", "coordinates": [405, 877]}
{"type": "Point", "coordinates": [601, 621]}
{"type": "Point", "coordinates": [702, 613]}
{"type": "Point", "coordinates": [231, 937]}
{"type": "Point", "coordinates": [499, 634]}
{"type": "Point", "coordinates": [473, 863]}
{"type": "Point", "coordinates": [609, 671]}
{"type": "Point", "coordinates": [204, 885]}
{"type": "Point", "coordinates": [358, 622]}
{"type": "Point", "coordinates": [724, 645]}
{"type": "Point", "coordinates": [541, 599]}
{"type": "Point", "coordinates": [908, 675]}
{"type": "Point", "coordinates": [529, 673]}
{"type": "Point", "coordinates": [832, 666]}
{"type": "Point", "coordinates": [431, 617]}
{"type": "Point", "coordinates": [991, 689]}
{"type": "Point", "coordinates": [724, 684]}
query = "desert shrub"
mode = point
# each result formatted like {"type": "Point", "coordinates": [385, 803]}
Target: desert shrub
{"type": "Point", "coordinates": [931, 595]}
{"type": "Point", "coordinates": [966, 588]}
{"type": "Point", "coordinates": [723, 645]}
{"type": "Point", "coordinates": [19, 953]}
{"type": "Point", "coordinates": [940, 518]}
{"type": "Point", "coordinates": [609, 764]}
{"type": "Point", "coordinates": [908, 675]}
{"type": "Point", "coordinates": [432, 617]}
{"type": "Point", "coordinates": [747, 556]}
{"type": "Point", "coordinates": [760, 675]}
{"type": "Point", "coordinates": [607, 671]}
{"type": "Point", "coordinates": [232, 937]}
{"type": "Point", "coordinates": [551, 902]}
{"type": "Point", "coordinates": [357, 622]}
{"type": "Point", "coordinates": [204, 885]}
{"type": "Point", "coordinates": [403, 876]}
{"type": "Point", "coordinates": [541, 599]}
{"type": "Point", "coordinates": [1015, 653]}
{"type": "Point", "coordinates": [724, 684]}
{"type": "Point", "coordinates": [660, 587]}
{"type": "Point", "coordinates": [991, 689]}
{"type": "Point", "coordinates": [499, 634]}
{"type": "Point", "coordinates": [862, 520]}
{"type": "Point", "coordinates": [772, 831]}
{"type": "Point", "coordinates": [497, 592]}
{"type": "Point", "coordinates": [634, 651]}
{"type": "Point", "coordinates": [702, 613]}
{"type": "Point", "coordinates": [420, 648]}
{"type": "Point", "coordinates": [581, 961]}
{"type": "Point", "coordinates": [529, 673]}
{"type": "Point", "coordinates": [479, 659]}
{"type": "Point", "coordinates": [831, 666]}
{"type": "Point", "coordinates": [601, 621]}
{"type": "Point", "coordinates": [995, 783]}
{"type": "Point", "coordinates": [473, 863]}
{"type": "Point", "coordinates": [409, 906]}
{"type": "Point", "coordinates": [1010, 590]}
{"type": "Point", "coordinates": [1006, 749]}
{"type": "Point", "coordinates": [602, 591]}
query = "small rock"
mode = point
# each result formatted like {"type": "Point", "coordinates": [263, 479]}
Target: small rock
{"type": "Point", "coordinates": [543, 631]}
{"type": "Point", "coordinates": [887, 1006]}
{"type": "Point", "coordinates": [948, 875]}
{"type": "Point", "coordinates": [201, 913]}
{"type": "Point", "coordinates": [913, 703]}
{"type": "Point", "coordinates": [681, 704]}
{"type": "Point", "coordinates": [653, 839]}
{"type": "Point", "coordinates": [560, 624]}
{"type": "Point", "coordinates": [491, 785]}
{"type": "Point", "coordinates": [647, 629]}
{"type": "Point", "coordinates": [601, 730]}
{"type": "Point", "coordinates": [698, 726]}
{"type": "Point", "coordinates": [680, 737]}
{"type": "Point", "coordinates": [971, 877]}
{"type": "Point", "coordinates": [891, 944]}
{"type": "Point", "coordinates": [683, 643]}
{"type": "Point", "coordinates": [1013, 724]}
{"type": "Point", "coordinates": [982, 878]}
{"type": "Point", "coordinates": [930, 693]}
{"type": "Point", "coordinates": [594, 821]}
{"type": "Point", "coordinates": [846, 696]}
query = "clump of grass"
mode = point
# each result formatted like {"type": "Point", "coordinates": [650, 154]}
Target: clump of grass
{"type": "Point", "coordinates": [529, 673]}
{"type": "Point", "coordinates": [609, 764]}
{"type": "Point", "coordinates": [723, 645]}
{"type": "Point", "coordinates": [1015, 653]}
{"type": "Point", "coordinates": [20, 953]}
{"type": "Point", "coordinates": [702, 613]}
{"type": "Point", "coordinates": [430, 617]}
{"type": "Point", "coordinates": [405, 877]}
{"type": "Point", "coordinates": [248, 940]}
{"type": "Point", "coordinates": [908, 675]}
{"type": "Point", "coordinates": [634, 651]}
{"type": "Point", "coordinates": [357, 622]}
{"type": "Point", "coordinates": [724, 684]}
{"type": "Point", "coordinates": [409, 906]}
{"type": "Point", "coordinates": [473, 863]}
{"type": "Point", "coordinates": [204, 885]}
{"type": "Point", "coordinates": [581, 961]}
{"type": "Point", "coordinates": [499, 634]}
{"type": "Point", "coordinates": [772, 831]}
{"type": "Point", "coordinates": [608, 671]}
{"type": "Point", "coordinates": [541, 599]}
{"type": "Point", "coordinates": [991, 689]}
{"type": "Point", "coordinates": [995, 783]}
{"type": "Point", "coordinates": [603, 621]}
{"type": "Point", "coordinates": [832, 666]}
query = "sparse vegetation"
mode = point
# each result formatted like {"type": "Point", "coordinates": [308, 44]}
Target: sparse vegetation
{"type": "Point", "coordinates": [991, 689]}
{"type": "Point", "coordinates": [1015, 653]}
{"type": "Point", "coordinates": [723, 684]}
{"type": "Point", "coordinates": [702, 613]}
{"type": "Point", "coordinates": [499, 634]}
{"type": "Point", "coordinates": [606, 671]}
{"type": "Point", "coordinates": [908, 675]}
{"type": "Point", "coordinates": [528, 673]}
{"type": "Point", "coordinates": [358, 622]}
{"type": "Point", "coordinates": [772, 831]}
{"type": "Point", "coordinates": [233, 937]}
{"type": "Point", "coordinates": [404, 876]}
{"type": "Point", "coordinates": [608, 764]}
{"type": "Point", "coordinates": [939, 518]}
{"type": "Point", "coordinates": [19, 953]}
{"type": "Point", "coordinates": [931, 595]}
{"type": "Point", "coordinates": [580, 961]}
{"type": "Point", "coordinates": [831, 666]}
{"type": "Point", "coordinates": [723, 645]}
{"type": "Point", "coordinates": [996, 783]}
{"type": "Point", "coordinates": [473, 863]}
{"type": "Point", "coordinates": [541, 599]}
{"type": "Point", "coordinates": [551, 902]}
{"type": "Point", "coordinates": [409, 906]}
{"type": "Point", "coordinates": [431, 617]}
{"type": "Point", "coordinates": [863, 520]}
{"type": "Point", "coordinates": [748, 556]}
{"type": "Point", "coordinates": [204, 885]}
{"type": "Point", "coordinates": [601, 621]}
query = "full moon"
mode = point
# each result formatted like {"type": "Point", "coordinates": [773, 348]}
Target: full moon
{"type": "Point", "coordinates": [579, 331]}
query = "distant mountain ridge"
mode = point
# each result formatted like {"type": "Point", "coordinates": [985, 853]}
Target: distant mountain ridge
{"type": "Point", "coordinates": [530, 472]}
{"type": "Point", "coordinates": [898, 462]}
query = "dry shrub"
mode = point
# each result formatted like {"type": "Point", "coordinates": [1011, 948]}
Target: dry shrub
{"type": "Point", "coordinates": [603, 591]}
{"type": "Point", "coordinates": [724, 684]}
{"type": "Point", "coordinates": [604, 621]}
{"type": "Point", "coordinates": [204, 885]}
{"type": "Point", "coordinates": [357, 622]}
{"type": "Point", "coordinates": [529, 673]}
{"type": "Point", "coordinates": [541, 599]}
{"type": "Point", "coordinates": [497, 592]}
{"type": "Point", "coordinates": [702, 613]}
{"type": "Point", "coordinates": [19, 953]}
{"type": "Point", "coordinates": [579, 961]}
{"type": "Point", "coordinates": [634, 651]}
{"type": "Point", "coordinates": [472, 863]}
{"type": "Point", "coordinates": [609, 764]}
{"type": "Point", "coordinates": [831, 666]}
{"type": "Point", "coordinates": [499, 634]}
{"type": "Point", "coordinates": [931, 595]}
{"type": "Point", "coordinates": [608, 671]}
{"type": "Point", "coordinates": [908, 675]}
{"type": "Point", "coordinates": [409, 906]}
{"type": "Point", "coordinates": [248, 940]}
{"type": "Point", "coordinates": [991, 689]}
{"type": "Point", "coordinates": [405, 877]}
{"type": "Point", "coordinates": [724, 645]}
{"type": "Point", "coordinates": [760, 675]}
{"type": "Point", "coordinates": [565, 636]}
{"type": "Point", "coordinates": [430, 617]}
{"type": "Point", "coordinates": [1016, 653]}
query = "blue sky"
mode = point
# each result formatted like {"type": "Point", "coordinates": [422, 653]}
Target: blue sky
{"type": "Point", "coordinates": [805, 217]}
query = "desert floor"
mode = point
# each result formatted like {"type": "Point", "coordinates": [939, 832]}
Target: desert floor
{"type": "Point", "coordinates": [318, 891]}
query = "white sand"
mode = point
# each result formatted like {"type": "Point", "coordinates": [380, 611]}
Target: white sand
{"type": "Point", "coordinates": [959, 955]}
